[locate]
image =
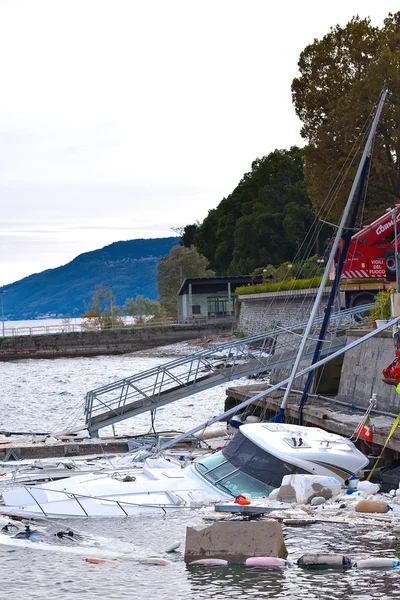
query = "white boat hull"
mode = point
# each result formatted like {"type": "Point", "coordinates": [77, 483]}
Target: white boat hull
{"type": "Point", "coordinates": [254, 462]}
{"type": "Point", "coordinates": [103, 495]}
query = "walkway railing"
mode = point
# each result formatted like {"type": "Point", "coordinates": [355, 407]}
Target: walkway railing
{"type": "Point", "coordinates": [79, 327]}
{"type": "Point", "coordinates": [188, 375]}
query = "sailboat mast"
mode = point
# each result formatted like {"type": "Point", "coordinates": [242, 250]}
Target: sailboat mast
{"type": "Point", "coordinates": [334, 288]}
{"type": "Point", "coordinates": [332, 254]}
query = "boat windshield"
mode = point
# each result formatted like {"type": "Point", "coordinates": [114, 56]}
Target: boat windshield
{"type": "Point", "coordinates": [225, 476]}
{"type": "Point", "coordinates": [256, 462]}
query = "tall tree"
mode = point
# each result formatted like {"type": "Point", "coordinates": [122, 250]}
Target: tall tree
{"type": "Point", "coordinates": [262, 220]}
{"type": "Point", "coordinates": [173, 269]}
{"type": "Point", "coordinates": [341, 76]}
{"type": "Point", "coordinates": [188, 235]}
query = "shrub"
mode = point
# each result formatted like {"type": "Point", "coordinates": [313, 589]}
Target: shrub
{"type": "Point", "coordinates": [382, 307]}
{"type": "Point", "coordinates": [290, 284]}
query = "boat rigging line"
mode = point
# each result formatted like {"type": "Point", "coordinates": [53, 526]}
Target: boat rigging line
{"type": "Point", "coordinates": [280, 415]}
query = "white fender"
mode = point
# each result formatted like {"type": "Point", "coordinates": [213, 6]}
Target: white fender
{"type": "Point", "coordinates": [377, 563]}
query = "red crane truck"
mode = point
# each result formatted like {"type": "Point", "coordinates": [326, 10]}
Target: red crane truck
{"type": "Point", "coordinates": [370, 265]}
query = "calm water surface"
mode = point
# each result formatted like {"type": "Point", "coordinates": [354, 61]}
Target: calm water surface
{"type": "Point", "coordinates": [48, 395]}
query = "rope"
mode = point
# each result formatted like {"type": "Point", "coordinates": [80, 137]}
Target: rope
{"type": "Point", "coordinates": [370, 407]}
{"type": "Point", "coordinates": [391, 432]}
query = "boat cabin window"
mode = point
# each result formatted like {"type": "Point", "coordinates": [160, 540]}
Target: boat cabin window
{"type": "Point", "coordinates": [256, 462]}
{"type": "Point", "coordinates": [224, 475]}
{"type": "Point", "coordinates": [214, 471]}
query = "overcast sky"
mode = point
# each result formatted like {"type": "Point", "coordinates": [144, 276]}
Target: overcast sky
{"type": "Point", "coordinates": [120, 119]}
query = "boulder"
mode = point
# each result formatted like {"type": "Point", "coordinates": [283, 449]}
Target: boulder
{"type": "Point", "coordinates": [234, 541]}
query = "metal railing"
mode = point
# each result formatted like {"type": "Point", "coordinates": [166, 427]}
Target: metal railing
{"type": "Point", "coordinates": [40, 329]}
{"type": "Point", "coordinates": [79, 499]}
{"type": "Point", "coordinates": [202, 370]}
{"type": "Point", "coordinates": [79, 327]}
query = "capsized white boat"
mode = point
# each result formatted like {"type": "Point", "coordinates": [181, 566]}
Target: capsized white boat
{"type": "Point", "coordinates": [43, 471]}
{"type": "Point", "coordinates": [253, 462]}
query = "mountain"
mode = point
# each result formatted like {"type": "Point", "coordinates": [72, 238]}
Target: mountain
{"type": "Point", "coordinates": [129, 267]}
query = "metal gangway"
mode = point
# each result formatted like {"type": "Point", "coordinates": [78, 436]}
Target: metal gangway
{"type": "Point", "coordinates": [172, 381]}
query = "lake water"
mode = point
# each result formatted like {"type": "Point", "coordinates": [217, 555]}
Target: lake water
{"type": "Point", "coordinates": [48, 395]}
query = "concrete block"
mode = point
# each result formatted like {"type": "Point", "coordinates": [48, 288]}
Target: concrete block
{"type": "Point", "coordinates": [235, 541]}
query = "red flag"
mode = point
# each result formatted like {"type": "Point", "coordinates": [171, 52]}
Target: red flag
{"type": "Point", "coordinates": [366, 430]}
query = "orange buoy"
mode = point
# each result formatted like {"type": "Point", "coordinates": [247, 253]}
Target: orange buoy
{"type": "Point", "coordinates": [98, 561]}
{"type": "Point", "coordinates": [242, 500]}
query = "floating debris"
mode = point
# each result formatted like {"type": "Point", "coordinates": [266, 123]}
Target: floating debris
{"type": "Point", "coordinates": [324, 561]}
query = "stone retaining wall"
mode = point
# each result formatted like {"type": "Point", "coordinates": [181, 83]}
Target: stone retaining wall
{"type": "Point", "coordinates": [260, 312]}
{"type": "Point", "coordinates": [94, 343]}
{"type": "Point", "coordinates": [358, 377]}
{"type": "Point", "coordinates": [362, 372]}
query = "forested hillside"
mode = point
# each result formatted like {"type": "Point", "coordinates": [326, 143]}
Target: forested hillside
{"type": "Point", "coordinates": [129, 267]}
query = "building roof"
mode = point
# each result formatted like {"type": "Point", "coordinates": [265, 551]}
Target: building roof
{"type": "Point", "coordinates": [204, 285]}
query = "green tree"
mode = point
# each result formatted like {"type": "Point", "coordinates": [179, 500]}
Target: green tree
{"type": "Point", "coordinates": [143, 308]}
{"type": "Point", "coordinates": [263, 220]}
{"type": "Point", "coordinates": [173, 269]}
{"type": "Point", "coordinates": [188, 236]}
{"type": "Point", "coordinates": [307, 269]}
{"type": "Point", "coordinates": [341, 76]}
{"type": "Point", "coordinates": [103, 313]}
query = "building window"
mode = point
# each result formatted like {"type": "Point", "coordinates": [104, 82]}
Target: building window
{"type": "Point", "coordinates": [196, 309]}
{"type": "Point", "coordinates": [217, 305]}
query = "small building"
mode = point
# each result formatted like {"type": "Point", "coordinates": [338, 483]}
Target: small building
{"type": "Point", "coordinates": [203, 298]}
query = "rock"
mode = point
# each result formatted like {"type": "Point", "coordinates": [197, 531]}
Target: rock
{"type": "Point", "coordinates": [372, 506]}
{"type": "Point", "coordinates": [303, 488]}
{"type": "Point", "coordinates": [234, 541]}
